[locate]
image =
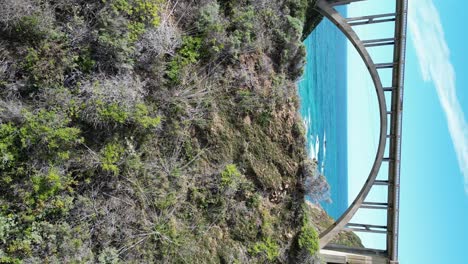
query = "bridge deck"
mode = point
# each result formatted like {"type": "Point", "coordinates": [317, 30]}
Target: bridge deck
{"type": "Point", "coordinates": [396, 128]}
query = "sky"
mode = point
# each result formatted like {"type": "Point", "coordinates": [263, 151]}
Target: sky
{"type": "Point", "coordinates": [434, 165]}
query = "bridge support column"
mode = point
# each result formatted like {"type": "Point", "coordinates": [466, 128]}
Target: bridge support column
{"type": "Point", "coordinates": [378, 42]}
{"type": "Point", "coordinates": [387, 65]}
{"type": "Point", "coordinates": [378, 229]}
{"type": "Point", "coordinates": [373, 19]}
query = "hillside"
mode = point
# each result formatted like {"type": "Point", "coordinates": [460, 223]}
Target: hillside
{"type": "Point", "coordinates": [152, 131]}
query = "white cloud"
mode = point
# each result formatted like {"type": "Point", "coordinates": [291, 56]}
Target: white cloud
{"type": "Point", "coordinates": [434, 59]}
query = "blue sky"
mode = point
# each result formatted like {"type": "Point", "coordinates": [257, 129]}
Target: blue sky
{"type": "Point", "coordinates": [434, 173]}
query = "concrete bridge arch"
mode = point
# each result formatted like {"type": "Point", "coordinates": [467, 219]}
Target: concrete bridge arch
{"type": "Point", "coordinates": [389, 131]}
{"type": "Point", "coordinates": [329, 12]}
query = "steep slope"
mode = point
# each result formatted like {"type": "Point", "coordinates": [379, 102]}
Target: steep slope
{"type": "Point", "coordinates": [152, 131]}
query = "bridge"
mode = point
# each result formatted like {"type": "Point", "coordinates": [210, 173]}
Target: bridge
{"type": "Point", "coordinates": [390, 136]}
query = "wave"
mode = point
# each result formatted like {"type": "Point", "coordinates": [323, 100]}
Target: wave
{"type": "Point", "coordinates": [324, 152]}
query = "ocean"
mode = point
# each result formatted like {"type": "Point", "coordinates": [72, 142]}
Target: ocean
{"type": "Point", "coordinates": [323, 93]}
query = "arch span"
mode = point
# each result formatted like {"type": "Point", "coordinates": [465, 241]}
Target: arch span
{"type": "Point", "coordinates": [329, 12]}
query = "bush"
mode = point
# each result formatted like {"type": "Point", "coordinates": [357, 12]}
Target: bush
{"type": "Point", "coordinates": [213, 28]}
{"type": "Point", "coordinates": [159, 41]}
{"type": "Point", "coordinates": [243, 222]}
{"type": "Point", "coordinates": [45, 136]}
{"type": "Point", "coordinates": [114, 48]}
{"type": "Point", "coordinates": [242, 30]}
{"type": "Point", "coordinates": [268, 248]}
{"type": "Point", "coordinates": [143, 11]}
{"type": "Point", "coordinates": [298, 8]}
{"type": "Point", "coordinates": [11, 11]}
{"type": "Point", "coordinates": [316, 186]}
{"type": "Point", "coordinates": [49, 131]}
{"type": "Point", "coordinates": [4, 64]}
{"type": "Point", "coordinates": [117, 100]}
{"type": "Point", "coordinates": [49, 184]}
{"type": "Point", "coordinates": [111, 156]}
{"type": "Point", "coordinates": [47, 65]}
{"type": "Point", "coordinates": [26, 19]}
{"type": "Point", "coordinates": [229, 175]}
{"type": "Point", "coordinates": [109, 256]}
{"type": "Point", "coordinates": [188, 54]}
{"type": "Point", "coordinates": [8, 151]}
{"type": "Point", "coordinates": [122, 23]}
{"type": "Point", "coordinates": [7, 227]}
{"type": "Point", "coordinates": [308, 239]}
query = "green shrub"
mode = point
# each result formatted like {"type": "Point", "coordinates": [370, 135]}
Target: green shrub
{"type": "Point", "coordinates": [298, 8]}
{"type": "Point", "coordinates": [111, 155]}
{"type": "Point", "coordinates": [9, 260]}
{"type": "Point", "coordinates": [26, 20]}
{"type": "Point", "coordinates": [108, 256]}
{"type": "Point", "coordinates": [48, 64]}
{"type": "Point", "coordinates": [115, 46]}
{"type": "Point", "coordinates": [190, 51]}
{"type": "Point", "coordinates": [254, 201]}
{"type": "Point", "coordinates": [212, 27]}
{"type": "Point", "coordinates": [29, 27]}
{"type": "Point", "coordinates": [242, 19]}
{"type": "Point", "coordinates": [7, 226]}
{"type": "Point", "coordinates": [242, 30]}
{"type": "Point", "coordinates": [34, 168]}
{"type": "Point", "coordinates": [124, 24]}
{"type": "Point", "coordinates": [136, 29]}
{"type": "Point", "coordinates": [112, 112]}
{"type": "Point", "coordinates": [268, 247]}
{"type": "Point", "coordinates": [188, 54]}
{"type": "Point", "coordinates": [146, 11]}
{"type": "Point", "coordinates": [264, 118]}
{"type": "Point", "coordinates": [8, 150]}
{"type": "Point", "coordinates": [115, 113]}
{"type": "Point", "coordinates": [308, 238]}
{"type": "Point", "coordinates": [48, 129]}
{"type": "Point", "coordinates": [141, 116]}
{"type": "Point", "coordinates": [84, 61]}
{"type": "Point", "coordinates": [48, 185]}
{"type": "Point", "coordinates": [117, 101]}
{"type": "Point", "coordinates": [296, 26]}
{"type": "Point", "coordinates": [230, 175]}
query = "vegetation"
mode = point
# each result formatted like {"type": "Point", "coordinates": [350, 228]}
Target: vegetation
{"type": "Point", "coordinates": [267, 247]}
{"type": "Point", "coordinates": [319, 219]}
{"type": "Point", "coordinates": [316, 184]}
{"type": "Point", "coordinates": [308, 237]}
{"type": "Point", "coordinates": [151, 131]}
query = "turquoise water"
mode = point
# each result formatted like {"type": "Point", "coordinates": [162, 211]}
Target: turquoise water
{"type": "Point", "coordinates": [323, 94]}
